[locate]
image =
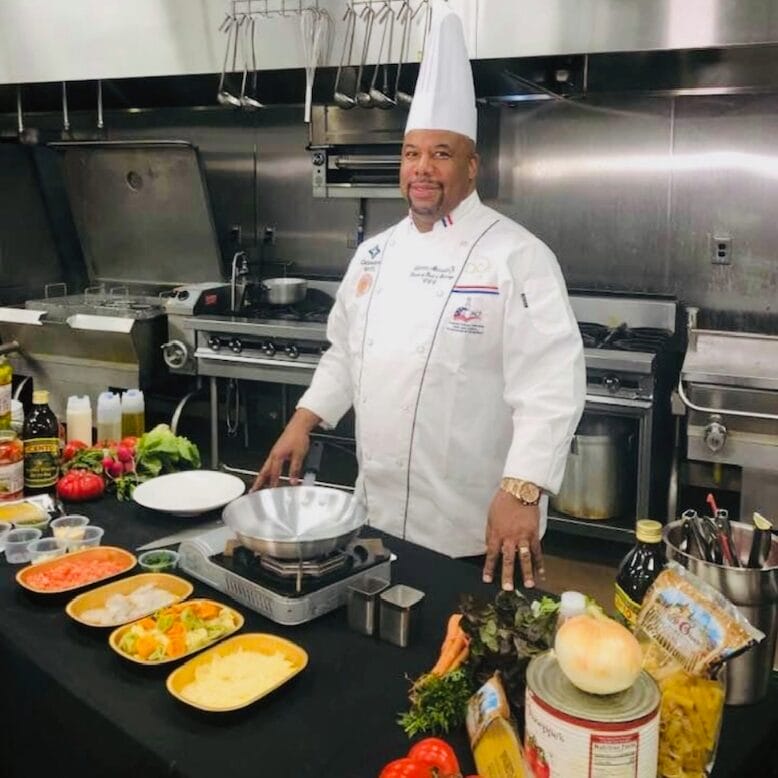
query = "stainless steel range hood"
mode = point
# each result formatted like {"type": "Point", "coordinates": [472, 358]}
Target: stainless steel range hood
{"type": "Point", "coordinates": [539, 28]}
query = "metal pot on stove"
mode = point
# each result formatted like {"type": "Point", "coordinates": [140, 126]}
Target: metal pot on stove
{"type": "Point", "coordinates": [594, 484]}
{"type": "Point", "coordinates": [284, 291]}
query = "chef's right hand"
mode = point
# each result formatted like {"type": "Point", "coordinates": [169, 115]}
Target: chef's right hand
{"type": "Point", "coordinates": [291, 447]}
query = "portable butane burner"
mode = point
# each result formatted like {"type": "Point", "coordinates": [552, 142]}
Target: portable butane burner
{"type": "Point", "coordinates": [286, 591]}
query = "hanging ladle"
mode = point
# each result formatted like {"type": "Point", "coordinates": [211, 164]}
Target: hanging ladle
{"type": "Point", "coordinates": [380, 98]}
{"type": "Point", "coordinates": [363, 98]}
{"type": "Point", "coordinates": [223, 96]}
{"type": "Point", "coordinates": [246, 101]}
{"type": "Point", "coordinates": [403, 98]}
{"type": "Point", "coordinates": [341, 98]}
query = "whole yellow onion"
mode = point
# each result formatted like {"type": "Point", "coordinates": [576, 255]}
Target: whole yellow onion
{"type": "Point", "coordinates": [597, 654]}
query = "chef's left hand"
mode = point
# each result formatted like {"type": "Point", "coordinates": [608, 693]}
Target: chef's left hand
{"type": "Point", "coordinates": [513, 528]}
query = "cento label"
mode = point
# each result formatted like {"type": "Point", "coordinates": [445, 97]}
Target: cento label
{"type": "Point", "coordinates": [41, 462]}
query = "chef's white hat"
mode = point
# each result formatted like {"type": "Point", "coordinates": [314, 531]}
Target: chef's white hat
{"type": "Point", "coordinates": [445, 97]}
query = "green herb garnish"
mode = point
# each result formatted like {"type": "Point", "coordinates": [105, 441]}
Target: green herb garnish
{"type": "Point", "coordinates": [438, 703]}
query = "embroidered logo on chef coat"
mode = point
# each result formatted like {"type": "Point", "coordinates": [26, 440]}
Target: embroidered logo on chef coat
{"type": "Point", "coordinates": [432, 274]}
{"type": "Point", "coordinates": [466, 319]}
{"type": "Point", "coordinates": [372, 259]}
{"type": "Point", "coordinates": [364, 282]}
{"type": "Point", "coordinates": [477, 266]}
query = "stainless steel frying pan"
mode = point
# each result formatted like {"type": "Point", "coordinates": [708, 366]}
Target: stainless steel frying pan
{"type": "Point", "coordinates": [295, 522]}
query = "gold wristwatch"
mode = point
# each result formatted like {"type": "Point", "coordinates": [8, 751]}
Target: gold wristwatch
{"type": "Point", "coordinates": [525, 492]}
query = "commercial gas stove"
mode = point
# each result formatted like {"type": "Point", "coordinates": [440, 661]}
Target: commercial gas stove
{"type": "Point", "coordinates": [286, 593]}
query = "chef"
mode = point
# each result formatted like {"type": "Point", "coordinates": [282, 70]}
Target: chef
{"type": "Point", "coordinates": [453, 338]}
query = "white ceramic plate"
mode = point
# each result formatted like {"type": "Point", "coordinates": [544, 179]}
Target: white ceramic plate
{"type": "Point", "coordinates": [190, 492]}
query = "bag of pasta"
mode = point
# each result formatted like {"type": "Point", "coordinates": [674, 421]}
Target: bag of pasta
{"type": "Point", "coordinates": [688, 630]}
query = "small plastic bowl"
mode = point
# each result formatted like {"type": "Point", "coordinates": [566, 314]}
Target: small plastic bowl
{"type": "Point", "coordinates": [40, 523]}
{"type": "Point", "coordinates": [158, 560]}
{"type": "Point", "coordinates": [46, 548]}
{"type": "Point", "coordinates": [69, 528]}
{"type": "Point", "coordinates": [16, 545]}
{"type": "Point", "coordinates": [5, 528]}
{"type": "Point", "coordinates": [92, 536]}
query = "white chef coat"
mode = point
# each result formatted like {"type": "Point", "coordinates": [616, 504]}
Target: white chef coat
{"type": "Point", "coordinates": [462, 358]}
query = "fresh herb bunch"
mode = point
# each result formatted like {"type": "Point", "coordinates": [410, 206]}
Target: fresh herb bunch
{"type": "Point", "coordinates": [505, 635]}
{"type": "Point", "coordinates": [438, 703]}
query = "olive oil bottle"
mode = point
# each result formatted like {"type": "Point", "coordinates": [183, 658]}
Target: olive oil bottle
{"type": "Point", "coordinates": [638, 570]}
{"type": "Point", "coordinates": [41, 446]}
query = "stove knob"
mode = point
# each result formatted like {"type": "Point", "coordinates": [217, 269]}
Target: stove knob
{"type": "Point", "coordinates": [214, 343]}
{"type": "Point", "coordinates": [292, 351]}
{"type": "Point", "coordinates": [715, 434]}
{"type": "Point", "coordinates": [175, 353]}
{"type": "Point", "coordinates": [269, 348]}
{"type": "Point", "coordinates": [612, 383]}
{"type": "Point", "coordinates": [236, 345]}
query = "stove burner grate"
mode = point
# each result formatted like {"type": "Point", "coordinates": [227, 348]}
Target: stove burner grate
{"type": "Point", "coordinates": [289, 577]}
{"type": "Point", "coordinates": [624, 338]}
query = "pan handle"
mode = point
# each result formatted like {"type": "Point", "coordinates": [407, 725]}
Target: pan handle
{"type": "Point", "coordinates": [312, 463]}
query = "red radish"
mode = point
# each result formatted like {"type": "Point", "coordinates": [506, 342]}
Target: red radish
{"type": "Point", "coordinates": [116, 469]}
{"type": "Point", "coordinates": [123, 454]}
{"type": "Point", "coordinates": [107, 462]}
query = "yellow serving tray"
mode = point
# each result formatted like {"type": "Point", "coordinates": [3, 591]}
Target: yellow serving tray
{"type": "Point", "coordinates": [96, 598]}
{"type": "Point", "coordinates": [116, 636]}
{"type": "Point", "coordinates": [126, 559]}
{"type": "Point", "coordinates": [251, 641]}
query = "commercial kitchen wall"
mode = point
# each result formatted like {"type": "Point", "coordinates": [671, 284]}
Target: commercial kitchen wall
{"type": "Point", "coordinates": [628, 191]}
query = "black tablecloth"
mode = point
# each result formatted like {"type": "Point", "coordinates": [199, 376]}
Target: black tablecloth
{"type": "Point", "coordinates": [72, 705]}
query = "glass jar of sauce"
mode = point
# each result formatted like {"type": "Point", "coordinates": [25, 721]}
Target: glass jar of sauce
{"type": "Point", "coordinates": [11, 466]}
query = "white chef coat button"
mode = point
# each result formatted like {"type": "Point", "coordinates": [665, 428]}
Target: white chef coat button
{"type": "Point", "coordinates": [400, 463]}
{"type": "Point", "coordinates": [364, 399]}
{"type": "Point", "coordinates": [391, 243]}
{"type": "Point", "coordinates": [378, 290]}
{"type": "Point", "coordinates": [463, 243]}
{"type": "Point", "coordinates": [369, 341]}
{"type": "Point", "coordinates": [420, 349]}
{"type": "Point", "coordinates": [440, 293]}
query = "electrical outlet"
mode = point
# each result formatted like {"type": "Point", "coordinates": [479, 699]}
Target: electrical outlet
{"type": "Point", "coordinates": [721, 249]}
{"type": "Point", "coordinates": [236, 234]}
{"type": "Point", "coordinates": [269, 235]}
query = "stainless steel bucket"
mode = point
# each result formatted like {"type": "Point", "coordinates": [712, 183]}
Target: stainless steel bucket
{"type": "Point", "coordinates": [593, 486]}
{"type": "Point", "coordinates": [755, 592]}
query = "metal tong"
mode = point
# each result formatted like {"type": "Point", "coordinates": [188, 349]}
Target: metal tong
{"type": "Point", "coordinates": [726, 541]}
{"type": "Point", "coordinates": [709, 538]}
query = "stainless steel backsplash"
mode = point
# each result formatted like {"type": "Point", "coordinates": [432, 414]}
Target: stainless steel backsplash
{"type": "Point", "coordinates": [628, 191]}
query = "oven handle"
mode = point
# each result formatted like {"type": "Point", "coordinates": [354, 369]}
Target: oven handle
{"type": "Point", "coordinates": [618, 402]}
{"type": "Point", "coordinates": [721, 411]}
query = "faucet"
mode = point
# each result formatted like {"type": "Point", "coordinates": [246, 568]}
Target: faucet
{"type": "Point", "coordinates": [240, 269]}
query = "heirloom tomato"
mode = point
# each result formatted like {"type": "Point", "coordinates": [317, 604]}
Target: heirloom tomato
{"type": "Point", "coordinates": [434, 752]}
{"type": "Point", "coordinates": [406, 768]}
{"type": "Point", "coordinates": [80, 485]}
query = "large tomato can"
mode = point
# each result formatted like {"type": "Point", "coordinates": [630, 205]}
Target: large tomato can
{"type": "Point", "coordinates": [572, 734]}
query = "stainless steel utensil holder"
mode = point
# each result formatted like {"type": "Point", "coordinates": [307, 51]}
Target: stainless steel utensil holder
{"type": "Point", "coordinates": [362, 605]}
{"type": "Point", "coordinates": [400, 614]}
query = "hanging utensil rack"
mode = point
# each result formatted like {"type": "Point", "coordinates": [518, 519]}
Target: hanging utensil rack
{"type": "Point", "coordinates": [270, 8]}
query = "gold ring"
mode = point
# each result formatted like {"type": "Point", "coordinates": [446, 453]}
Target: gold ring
{"type": "Point", "coordinates": [524, 550]}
